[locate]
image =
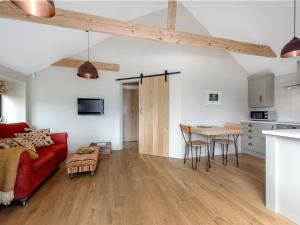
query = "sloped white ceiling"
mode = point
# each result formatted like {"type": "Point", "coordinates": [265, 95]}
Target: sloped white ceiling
{"type": "Point", "coordinates": [28, 47]}
{"type": "Point", "coordinates": [262, 22]}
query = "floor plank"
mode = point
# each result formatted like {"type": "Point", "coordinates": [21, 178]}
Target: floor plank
{"type": "Point", "coordinates": [134, 189]}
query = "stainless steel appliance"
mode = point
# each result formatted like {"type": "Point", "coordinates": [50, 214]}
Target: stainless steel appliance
{"type": "Point", "coordinates": [264, 115]}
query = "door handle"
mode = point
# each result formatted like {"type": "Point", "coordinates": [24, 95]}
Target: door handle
{"type": "Point", "coordinates": [260, 99]}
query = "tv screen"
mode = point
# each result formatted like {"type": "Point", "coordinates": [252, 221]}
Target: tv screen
{"type": "Point", "coordinates": [90, 106]}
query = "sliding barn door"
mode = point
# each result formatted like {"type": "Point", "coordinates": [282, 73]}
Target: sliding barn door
{"type": "Point", "coordinates": [154, 117]}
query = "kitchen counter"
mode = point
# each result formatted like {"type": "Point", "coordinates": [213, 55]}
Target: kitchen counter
{"type": "Point", "coordinates": [273, 122]}
{"type": "Point", "coordinates": [282, 172]}
{"type": "Point", "coordinates": [290, 133]}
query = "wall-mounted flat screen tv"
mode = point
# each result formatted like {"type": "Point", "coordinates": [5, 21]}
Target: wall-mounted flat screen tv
{"type": "Point", "coordinates": [90, 106]}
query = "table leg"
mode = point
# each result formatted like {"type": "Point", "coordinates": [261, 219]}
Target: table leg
{"type": "Point", "coordinates": [208, 153]}
{"type": "Point", "coordinates": [235, 139]}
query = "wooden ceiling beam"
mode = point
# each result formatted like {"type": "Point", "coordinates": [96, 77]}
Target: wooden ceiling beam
{"type": "Point", "coordinates": [82, 21]}
{"type": "Point", "coordinates": [172, 7]}
{"type": "Point", "coordinates": [76, 63]}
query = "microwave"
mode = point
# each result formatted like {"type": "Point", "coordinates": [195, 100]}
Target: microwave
{"type": "Point", "coordinates": [263, 115]}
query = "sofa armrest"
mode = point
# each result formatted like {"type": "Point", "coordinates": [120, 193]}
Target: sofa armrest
{"type": "Point", "coordinates": [24, 176]}
{"type": "Point", "coordinates": [59, 138]}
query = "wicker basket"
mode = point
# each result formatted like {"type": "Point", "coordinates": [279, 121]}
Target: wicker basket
{"type": "Point", "coordinates": [105, 147]}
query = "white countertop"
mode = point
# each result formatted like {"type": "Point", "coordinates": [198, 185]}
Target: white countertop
{"type": "Point", "coordinates": [272, 122]}
{"type": "Point", "coordinates": [290, 133]}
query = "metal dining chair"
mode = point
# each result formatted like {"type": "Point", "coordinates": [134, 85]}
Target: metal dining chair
{"type": "Point", "coordinates": [225, 142]}
{"type": "Point", "coordinates": [190, 144]}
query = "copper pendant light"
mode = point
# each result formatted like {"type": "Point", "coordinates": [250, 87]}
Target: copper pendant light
{"type": "Point", "coordinates": [292, 49]}
{"type": "Point", "coordinates": [87, 69]}
{"type": "Point", "coordinates": [40, 8]}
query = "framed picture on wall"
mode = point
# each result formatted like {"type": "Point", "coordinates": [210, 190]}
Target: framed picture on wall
{"type": "Point", "coordinates": [213, 97]}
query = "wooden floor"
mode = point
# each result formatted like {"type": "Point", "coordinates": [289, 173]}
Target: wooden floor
{"type": "Point", "coordinates": [134, 189]}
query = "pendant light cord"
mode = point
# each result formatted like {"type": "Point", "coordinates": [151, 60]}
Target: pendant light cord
{"type": "Point", "coordinates": [294, 18]}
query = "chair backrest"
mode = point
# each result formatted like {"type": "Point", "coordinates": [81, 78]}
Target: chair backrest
{"type": "Point", "coordinates": [237, 126]}
{"type": "Point", "coordinates": [186, 132]}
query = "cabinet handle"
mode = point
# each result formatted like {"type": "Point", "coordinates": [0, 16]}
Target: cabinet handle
{"type": "Point", "coordinates": [249, 144]}
{"type": "Point", "coordinates": [249, 125]}
{"type": "Point", "coordinates": [250, 137]}
{"type": "Point", "coordinates": [250, 131]}
{"type": "Point", "coordinates": [260, 99]}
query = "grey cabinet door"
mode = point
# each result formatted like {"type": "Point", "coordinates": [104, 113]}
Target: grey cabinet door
{"type": "Point", "coordinates": [256, 92]}
{"type": "Point", "coordinates": [261, 90]}
{"type": "Point", "coordinates": [254, 89]}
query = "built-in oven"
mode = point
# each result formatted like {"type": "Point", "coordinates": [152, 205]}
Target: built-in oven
{"type": "Point", "coordinates": [264, 115]}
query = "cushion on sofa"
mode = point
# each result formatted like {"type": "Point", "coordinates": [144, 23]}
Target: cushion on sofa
{"type": "Point", "coordinates": [8, 130]}
{"type": "Point", "coordinates": [38, 138]}
{"type": "Point", "coordinates": [44, 157]}
{"type": "Point", "coordinates": [45, 132]}
{"type": "Point", "coordinates": [59, 150]}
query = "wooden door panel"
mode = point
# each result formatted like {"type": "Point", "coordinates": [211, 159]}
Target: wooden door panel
{"type": "Point", "coordinates": [154, 117]}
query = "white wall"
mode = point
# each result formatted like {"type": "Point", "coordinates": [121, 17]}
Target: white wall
{"type": "Point", "coordinates": [14, 107]}
{"type": "Point", "coordinates": [287, 101]}
{"type": "Point", "coordinates": [54, 91]}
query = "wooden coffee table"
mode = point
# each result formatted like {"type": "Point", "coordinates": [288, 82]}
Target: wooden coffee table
{"type": "Point", "coordinates": [79, 163]}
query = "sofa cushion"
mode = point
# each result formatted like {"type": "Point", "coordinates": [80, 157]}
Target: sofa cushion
{"type": "Point", "coordinates": [25, 143]}
{"type": "Point", "coordinates": [44, 157]}
{"type": "Point", "coordinates": [45, 132]}
{"type": "Point", "coordinates": [8, 130]}
{"type": "Point", "coordinates": [38, 138]}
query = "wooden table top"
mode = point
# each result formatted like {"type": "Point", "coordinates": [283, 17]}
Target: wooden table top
{"type": "Point", "coordinates": [215, 131]}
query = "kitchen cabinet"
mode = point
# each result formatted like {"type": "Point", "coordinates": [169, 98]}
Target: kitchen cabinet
{"type": "Point", "coordinates": [253, 140]}
{"type": "Point", "coordinates": [261, 90]}
{"type": "Point", "coordinates": [287, 126]}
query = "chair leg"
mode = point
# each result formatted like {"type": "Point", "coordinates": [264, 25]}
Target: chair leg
{"type": "Point", "coordinates": [226, 155]}
{"type": "Point", "coordinates": [222, 148]}
{"type": "Point", "coordinates": [185, 154]}
{"type": "Point", "coordinates": [208, 156]}
{"type": "Point", "coordinates": [193, 167]}
{"type": "Point", "coordinates": [200, 153]}
{"type": "Point", "coordinates": [196, 158]}
{"type": "Point", "coordinates": [213, 150]}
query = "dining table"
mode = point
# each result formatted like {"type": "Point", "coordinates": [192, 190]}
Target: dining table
{"type": "Point", "coordinates": [210, 133]}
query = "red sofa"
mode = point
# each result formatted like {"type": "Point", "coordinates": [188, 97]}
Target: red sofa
{"type": "Point", "coordinates": [31, 173]}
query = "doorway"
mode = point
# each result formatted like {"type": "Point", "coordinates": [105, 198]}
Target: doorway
{"type": "Point", "coordinates": [130, 112]}
{"type": "Point", "coordinates": [146, 115]}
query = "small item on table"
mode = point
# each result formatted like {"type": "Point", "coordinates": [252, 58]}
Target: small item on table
{"type": "Point", "coordinates": [85, 151]}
